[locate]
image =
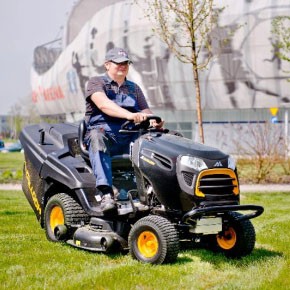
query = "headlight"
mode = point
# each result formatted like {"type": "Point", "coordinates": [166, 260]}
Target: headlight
{"type": "Point", "coordinates": [231, 163]}
{"type": "Point", "coordinates": [193, 162]}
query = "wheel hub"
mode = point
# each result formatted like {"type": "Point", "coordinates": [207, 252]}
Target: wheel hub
{"type": "Point", "coordinates": [228, 239]}
{"type": "Point", "coordinates": [147, 244]}
{"type": "Point", "coordinates": [56, 217]}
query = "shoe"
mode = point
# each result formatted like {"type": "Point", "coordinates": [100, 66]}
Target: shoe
{"type": "Point", "coordinates": [105, 189]}
{"type": "Point", "coordinates": [107, 203]}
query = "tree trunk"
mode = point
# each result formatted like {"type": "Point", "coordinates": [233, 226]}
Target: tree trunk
{"type": "Point", "coordinates": [198, 103]}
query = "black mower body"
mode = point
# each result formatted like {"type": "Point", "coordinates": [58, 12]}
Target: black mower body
{"type": "Point", "coordinates": [193, 188]}
{"type": "Point", "coordinates": [53, 163]}
{"type": "Point", "coordinates": [157, 157]}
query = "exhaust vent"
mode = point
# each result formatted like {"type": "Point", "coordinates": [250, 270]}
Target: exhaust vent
{"type": "Point", "coordinates": [165, 162]}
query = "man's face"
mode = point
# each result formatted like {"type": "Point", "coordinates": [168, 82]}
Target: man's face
{"type": "Point", "coordinates": [117, 69]}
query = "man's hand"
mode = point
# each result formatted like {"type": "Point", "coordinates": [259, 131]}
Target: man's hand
{"type": "Point", "coordinates": [141, 116]}
{"type": "Point", "coordinates": [138, 117]}
{"type": "Point", "coordinates": [154, 124]}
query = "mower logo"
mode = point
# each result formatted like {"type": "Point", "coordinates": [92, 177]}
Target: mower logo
{"type": "Point", "coordinates": [147, 160]}
{"type": "Point", "coordinates": [218, 164]}
{"type": "Point", "coordinates": [31, 190]}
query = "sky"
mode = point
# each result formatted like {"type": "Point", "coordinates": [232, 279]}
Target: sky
{"type": "Point", "coordinates": [25, 24]}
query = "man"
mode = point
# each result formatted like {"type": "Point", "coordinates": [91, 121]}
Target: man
{"type": "Point", "coordinates": [111, 99]}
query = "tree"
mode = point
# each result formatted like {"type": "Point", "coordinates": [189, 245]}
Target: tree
{"type": "Point", "coordinates": [281, 32]}
{"type": "Point", "coordinates": [263, 146]}
{"type": "Point", "coordinates": [15, 121]}
{"type": "Point", "coordinates": [184, 26]}
{"type": "Point", "coordinates": [281, 45]}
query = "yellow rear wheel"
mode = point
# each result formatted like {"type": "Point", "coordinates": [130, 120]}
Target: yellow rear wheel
{"type": "Point", "coordinates": [60, 212]}
{"type": "Point", "coordinates": [56, 217]}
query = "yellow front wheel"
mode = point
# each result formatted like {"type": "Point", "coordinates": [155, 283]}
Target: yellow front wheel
{"type": "Point", "coordinates": [228, 239]}
{"type": "Point", "coordinates": [153, 239]}
{"type": "Point", "coordinates": [147, 244]}
{"type": "Point", "coordinates": [238, 237]}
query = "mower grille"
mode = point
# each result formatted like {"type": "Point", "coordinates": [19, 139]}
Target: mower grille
{"type": "Point", "coordinates": [217, 182]}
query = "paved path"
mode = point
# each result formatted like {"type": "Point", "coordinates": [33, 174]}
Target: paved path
{"type": "Point", "coordinates": [265, 188]}
{"type": "Point", "coordinates": [9, 186]}
{"type": "Point", "coordinates": [243, 187]}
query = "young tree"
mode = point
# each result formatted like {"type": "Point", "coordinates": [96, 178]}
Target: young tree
{"type": "Point", "coordinates": [264, 146]}
{"type": "Point", "coordinates": [281, 45]}
{"type": "Point", "coordinates": [15, 121]}
{"type": "Point", "coordinates": [185, 25]}
{"type": "Point", "coordinates": [281, 33]}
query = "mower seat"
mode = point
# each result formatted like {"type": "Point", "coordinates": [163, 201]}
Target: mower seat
{"type": "Point", "coordinates": [82, 132]}
{"type": "Point", "coordinates": [118, 161]}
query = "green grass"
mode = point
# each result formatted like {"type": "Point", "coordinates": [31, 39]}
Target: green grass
{"type": "Point", "coordinates": [29, 261]}
{"type": "Point", "coordinates": [11, 161]}
{"type": "Point", "coordinates": [11, 165]}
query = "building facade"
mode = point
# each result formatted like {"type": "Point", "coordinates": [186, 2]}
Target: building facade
{"type": "Point", "coordinates": [242, 83]}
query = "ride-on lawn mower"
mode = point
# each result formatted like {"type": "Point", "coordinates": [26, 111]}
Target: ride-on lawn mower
{"type": "Point", "coordinates": [169, 190]}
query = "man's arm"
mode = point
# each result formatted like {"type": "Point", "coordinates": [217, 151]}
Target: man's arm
{"type": "Point", "coordinates": [112, 109]}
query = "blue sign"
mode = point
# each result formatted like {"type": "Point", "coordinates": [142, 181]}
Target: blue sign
{"type": "Point", "coordinates": [274, 120]}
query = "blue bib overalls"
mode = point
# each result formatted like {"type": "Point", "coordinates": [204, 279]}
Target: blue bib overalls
{"type": "Point", "coordinates": [103, 138]}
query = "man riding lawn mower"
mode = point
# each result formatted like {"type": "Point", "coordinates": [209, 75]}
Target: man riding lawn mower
{"type": "Point", "coordinates": [170, 190]}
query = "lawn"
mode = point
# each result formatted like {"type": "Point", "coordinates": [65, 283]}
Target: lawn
{"type": "Point", "coordinates": [11, 165]}
{"type": "Point", "coordinates": [11, 161]}
{"type": "Point", "coordinates": [29, 261]}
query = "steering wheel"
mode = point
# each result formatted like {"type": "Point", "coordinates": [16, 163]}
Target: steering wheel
{"type": "Point", "coordinates": [130, 126]}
